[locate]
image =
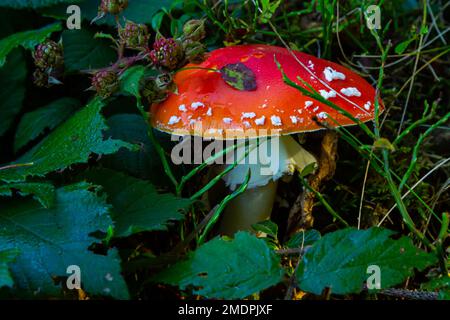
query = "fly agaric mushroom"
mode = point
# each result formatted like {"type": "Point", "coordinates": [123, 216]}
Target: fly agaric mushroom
{"type": "Point", "coordinates": [261, 100]}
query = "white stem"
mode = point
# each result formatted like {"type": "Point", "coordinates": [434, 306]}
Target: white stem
{"type": "Point", "coordinates": [253, 206]}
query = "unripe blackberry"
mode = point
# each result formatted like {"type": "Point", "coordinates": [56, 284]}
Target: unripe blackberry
{"type": "Point", "coordinates": [166, 53]}
{"type": "Point", "coordinates": [41, 78]}
{"type": "Point", "coordinates": [48, 55]}
{"type": "Point", "coordinates": [134, 35]}
{"type": "Point", "coordinates": [194, 51]}
{"type": "Point", "coordinates": [194, 30]}
{"type": "Point", "coordinates": [113, 6]}
{"type": "Point", "coordinates": [105, 82]}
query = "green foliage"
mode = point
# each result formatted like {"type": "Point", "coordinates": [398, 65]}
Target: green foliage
{"type": "Point", "coordinates": [139, 11]}
{"type": "Point", "coordinates": [6, 257]}
{"type": "Point", "coordinates": [70, 143]}
{"type": "Point", "coordinates": [229, 269]}
{"type": "Point", "coordinates": [34, 123]}
{"type": "Point", "coordinates": [50, 240]}
{"type": "Point", "coordinates": [35, 4]}
{"type": "Point", "coordinates": [144, 162]}
{"type": "Point", "coordinates": [137, 206]}
{"type": "Point", "coordinates": [82, 51]}
{"type": "Point", "coordinates": [303, 239]}
{"type": "Point", "coordinates": [43, 192]}
{"type": "Point", "coordinates": [25, 39]}
{"type": "Point", "coordinates": [339, 260]}
{"type": "Point", "coordinates": [12, 89]}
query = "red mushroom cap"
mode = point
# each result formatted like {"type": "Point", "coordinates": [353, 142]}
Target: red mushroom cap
{"type": "Point", "coordinates": [204, 97]}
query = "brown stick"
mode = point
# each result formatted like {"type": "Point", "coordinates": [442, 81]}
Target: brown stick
{"type": "Point", "coordinates": [300, 215]}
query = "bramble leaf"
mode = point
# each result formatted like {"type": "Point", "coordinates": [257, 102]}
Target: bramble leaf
{"type": "Point", "coordinates": [229, 269]}
{"type": "Point", "coordinates": [70, 143]}
{"type": "Point", "coordinates": [43, 192]}
{"type": "Point", "coordinates": [340, 260]}
{"type": "Point", "coordinates": [51, 240]}
{"type": "Point", "coordinates": [34, 123]}
{"type": "Point", "coordinates": [137, 206]}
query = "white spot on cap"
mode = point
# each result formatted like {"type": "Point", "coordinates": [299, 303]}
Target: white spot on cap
{"type": "Point", "coordinates": [315, 109]}
{"type": "Point", "coordinates": [209, 112]}
{"type": "Point", "coordinates": [247, 124]}
{"type": "Point", "coordinates": [174, 119]}
{"type": "Point", "coordinates": [327, 94]}
{"type": "Point", "coordinates": [322, 115]}
{"type": "Point", "coordinates": [182, 107]}
{"type": "Point", "coordinates": [195, 105]}
{"type": "Point", "coordinates": [276, 121]}
{"type": "Point", "coordinates": [310, 64]}
{"type": "Point", "coordinates": [227, 120]}
{"type": "Point", "coordinates": [294, 119]}
{"type": "Point", "coordinates": [308, 104]}
{"type": "Point", "coordinates": [331, 74]}
{"type": "Point", "coordinates": [248, 115]}
{"type": "Point", "coordinates": [192, 122]}
{"type": "Point", "coordinates": [351, 92]}
{"type": "Point", "coordinates": [260, 121]}
{"type": "Point", "coordinates": [367, 105]}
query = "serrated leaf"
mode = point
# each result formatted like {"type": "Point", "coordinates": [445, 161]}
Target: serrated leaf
{"type": "Point", "coordinates": [239, 76]}
{"type": "Point", "coordinates": [229, 269]}
{"type": "Point", "coordinates": [267, 227]}
{"type": "Point", "coordinates": [43, 192]}
{"type": "Point", "coordinates": [82, 51]}
{"type": "Point", "coordinates": [33, 4]}
{"type": "Point", "coordinates": [303, 238]}
{"type": "Point", "coordinates": [130, 80]}
{"type": "Point", "coordinates": [70, 143]}
{"type": "Point", "coordinates": [340, 260]}
{"type": "Point", "coordinates": [34, 123]}
{"type": "Point", "coordinates": [137, 206]}
{"type": "Point", "coordinates": [50, 240]}
{"type": "Point", "coordinates": [6, 257]}
{"type": "Point", "coordinates": [12, 89]}
{"type": "Point", "coordinates": [143, 163]}
{"type": "Point", "coordinates": [26, 39]}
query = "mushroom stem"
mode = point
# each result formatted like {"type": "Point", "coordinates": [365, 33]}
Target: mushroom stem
{"type": "Point", "coordinates": [252, 206]}
{"type": "Point", "coordinates": [256, 203]}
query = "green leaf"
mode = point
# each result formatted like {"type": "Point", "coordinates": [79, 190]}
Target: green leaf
{"type": "Point", "coordinates": [303, 239]}
{"type": "Point", "coordinates": [34, 4]}
{"type": "Point", "coordinates": [12, 89]}
{"type": "Point", "coordinates": [441, 284]}
{"type": "Point", "coordinates": [229, 269]}
{"type": "Point", "coordinates": [51, 240]}
{"type": "Point", "coordinates": [82, 51]}
{"type": "Point", "coordinates": [239, 76]}
{"type": "Point", "coordinates": [139, 11]}
{"type": "Point", "coordinates": [143, 163]}
{"type": "Point", "coordinates": [34, 123]}
{"type": "Point", "coordinates": [130, 80]}
{"type": "Point", "coordinates": [267, 227]}
{"type": "Point", "coordinates": [340, 260]}
{"type": "Point", "coordinates": [26, 39]}
{"type": "Point", "coordinates": [6, 257]}
{"type": "Point", "coordinates": [70, 143]}
{"type": "Point", "coordinates": [402, 46]}
{"type": "Point", "coordinates": [43, 192]}
{"type": "Point", "coordinates": [137, 206]}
